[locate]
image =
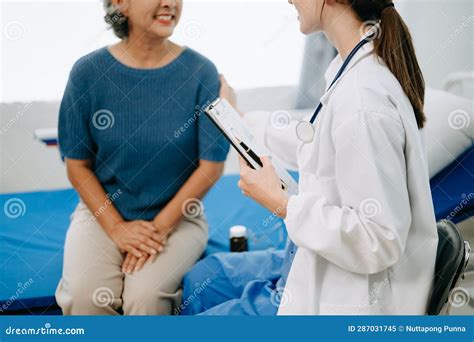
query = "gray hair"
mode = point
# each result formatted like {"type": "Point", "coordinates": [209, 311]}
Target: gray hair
{"type": "Point", "coordinates": [117, 21]}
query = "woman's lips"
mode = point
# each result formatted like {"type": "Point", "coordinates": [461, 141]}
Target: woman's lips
{"type": "Point", "coordinates": [164, 19]}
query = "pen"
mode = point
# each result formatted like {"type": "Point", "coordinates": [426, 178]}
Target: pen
{"type": "Point", "coordinates": [254, 156]}
{"type": "Point", "coordinates": [251, 153]}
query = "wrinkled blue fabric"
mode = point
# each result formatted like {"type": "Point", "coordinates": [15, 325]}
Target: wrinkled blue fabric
{"type": "Point", "coordinates": [237, 283]}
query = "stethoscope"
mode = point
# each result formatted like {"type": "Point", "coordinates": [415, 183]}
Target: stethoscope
{"type": "Point", "coordinates": [305, 130]}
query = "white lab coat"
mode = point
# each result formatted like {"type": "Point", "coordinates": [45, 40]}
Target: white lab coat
{"type": "Point", "coordinates": [363, 218]}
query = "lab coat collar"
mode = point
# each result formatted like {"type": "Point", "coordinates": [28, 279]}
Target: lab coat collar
{"type": "Point", "coordinates": [337, 62]}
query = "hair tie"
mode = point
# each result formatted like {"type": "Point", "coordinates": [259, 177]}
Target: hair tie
{"type": "Point", "coordinates": [390, 4]}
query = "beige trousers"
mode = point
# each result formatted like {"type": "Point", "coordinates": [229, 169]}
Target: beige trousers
{"type": "Point", "coordinates": [93, 282]}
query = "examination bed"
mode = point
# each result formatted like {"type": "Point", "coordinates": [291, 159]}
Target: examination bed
{"type": "Point", "coordinates": [31, 246]}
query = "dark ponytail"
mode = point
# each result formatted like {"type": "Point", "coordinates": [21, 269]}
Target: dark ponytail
{"type": "Point", "coordinates": [394, 45]}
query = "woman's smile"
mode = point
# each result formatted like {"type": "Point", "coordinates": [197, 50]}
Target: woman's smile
{"type": "Point", "coordinates": [164, 18]}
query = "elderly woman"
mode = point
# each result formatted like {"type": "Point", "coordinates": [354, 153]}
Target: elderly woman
{"type": "Point", "coordinates": [140, 154]}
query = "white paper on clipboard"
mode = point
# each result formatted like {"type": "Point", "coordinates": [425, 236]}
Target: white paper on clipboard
{"type": "Point", "coordinates": [231, 124]}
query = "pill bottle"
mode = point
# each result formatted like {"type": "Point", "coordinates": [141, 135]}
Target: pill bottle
{"type": "Point", "coordinates": [238, 239]}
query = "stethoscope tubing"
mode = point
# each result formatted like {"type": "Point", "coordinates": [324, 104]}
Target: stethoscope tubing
{"type": "Point", "coordinates": [339, 74]}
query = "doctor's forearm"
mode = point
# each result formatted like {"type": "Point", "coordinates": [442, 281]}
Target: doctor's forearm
{"type": "Point", "coordinates": [279, 204]}
{"type": "Point", "coordinates": [201, 180]}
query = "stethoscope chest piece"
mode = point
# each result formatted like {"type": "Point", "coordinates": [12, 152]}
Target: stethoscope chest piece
{"type": "Point", "coordinates": [305, 131]}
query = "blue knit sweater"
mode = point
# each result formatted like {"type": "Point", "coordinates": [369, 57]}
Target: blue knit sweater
{"type": "Point", "coordinates": [143, 129]}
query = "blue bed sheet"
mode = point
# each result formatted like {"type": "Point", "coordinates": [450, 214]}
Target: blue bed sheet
{"type": "Point", "coordinates": [31, 245]}
{"type": "Point", "coordinates": [453, 189]}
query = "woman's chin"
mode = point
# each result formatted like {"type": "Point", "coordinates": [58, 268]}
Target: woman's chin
{"type": "Point", "coordinates": [305, 30]}
{"type": "Point", "coordinates": [162, 32]}
{"type": "Point", "coordinates": [303, 27]}
{"type": "Point", "coordinates": [308, 29]}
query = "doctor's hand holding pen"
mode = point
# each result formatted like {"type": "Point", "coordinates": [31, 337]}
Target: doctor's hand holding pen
{"type": "Point", "coordinates": [263, 185]}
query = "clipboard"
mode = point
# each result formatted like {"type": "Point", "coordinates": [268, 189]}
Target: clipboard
{"type": "Point", "coordinates": [232, 126]}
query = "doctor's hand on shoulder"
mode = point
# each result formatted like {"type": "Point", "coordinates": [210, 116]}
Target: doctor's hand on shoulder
{"type": "Point", "coordinates": [227, 92]}
{"type": "Point", "coordinates": [263, 186]}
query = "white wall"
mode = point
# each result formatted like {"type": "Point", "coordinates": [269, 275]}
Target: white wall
{"type": "Point", "coordinates": [443, 32]}
{"type": "Point", "coordinates": [254, 43]}
{"type": "Point", "coordinates": [26, 164]}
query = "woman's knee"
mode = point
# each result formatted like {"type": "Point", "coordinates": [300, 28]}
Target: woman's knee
{"type": "Point", "coordinates": [147, 299]}
{"type": "Point", "coordinates": [80, 297]}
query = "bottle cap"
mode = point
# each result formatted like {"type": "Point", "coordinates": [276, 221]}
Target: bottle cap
{"type": "Point", "coordinates": [237, 231]}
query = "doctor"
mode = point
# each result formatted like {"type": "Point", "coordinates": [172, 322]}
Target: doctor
{"type": "Point", "coordinates": [363, 219]}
